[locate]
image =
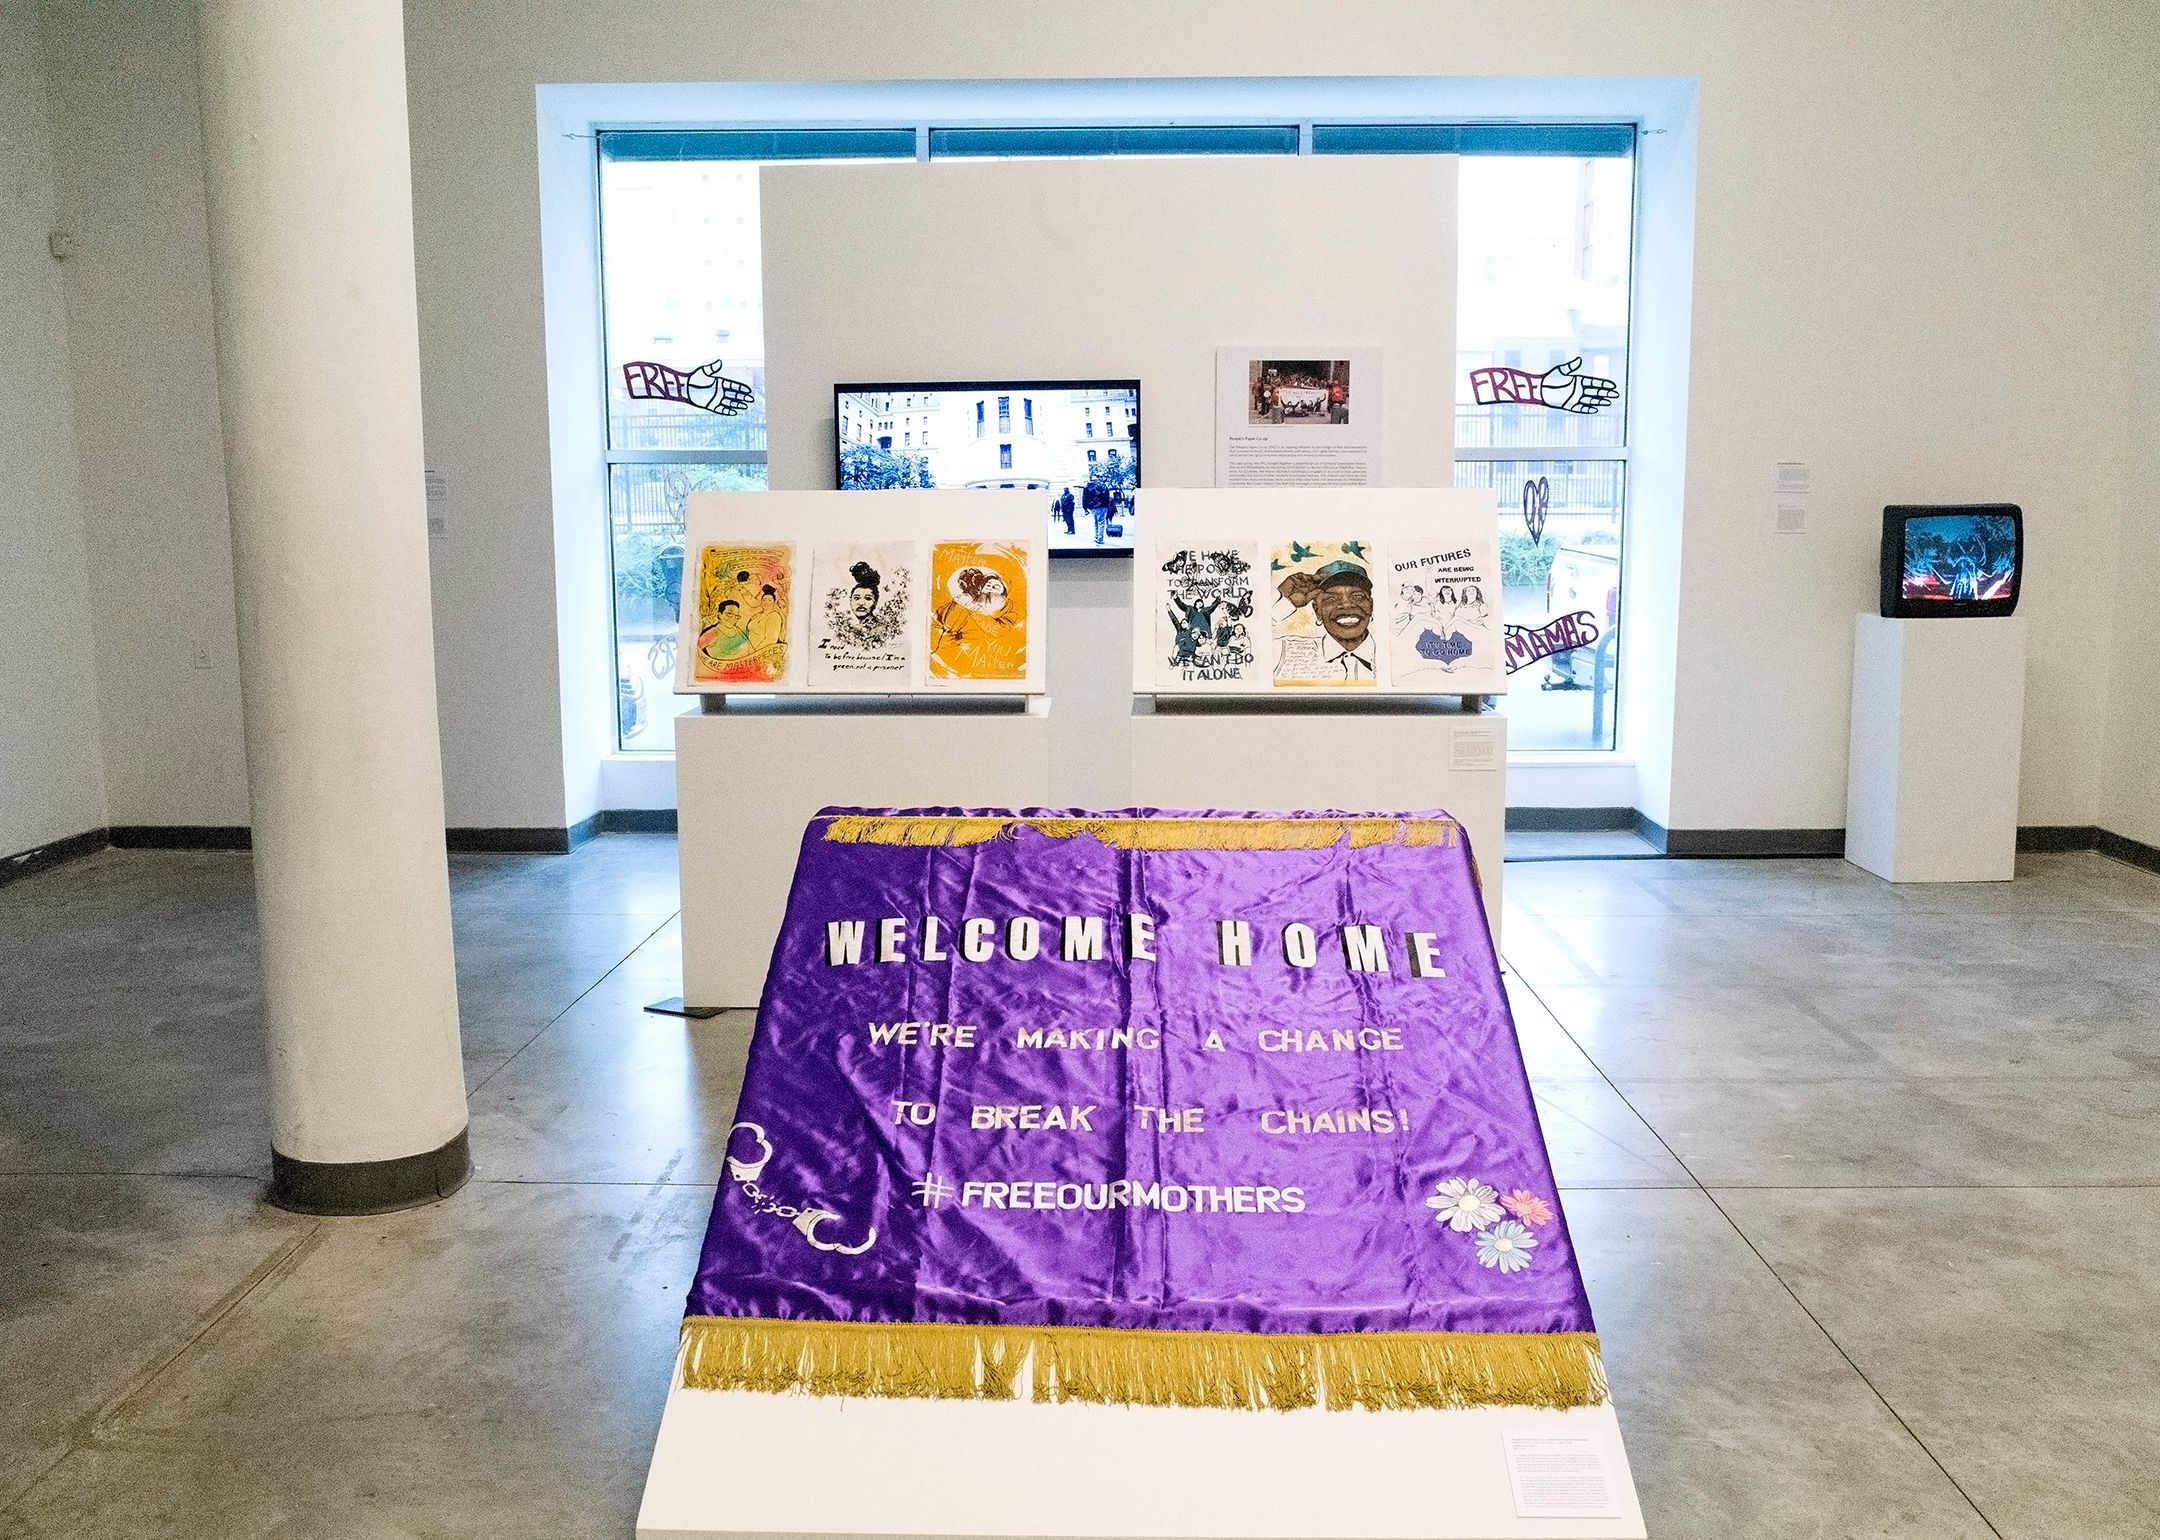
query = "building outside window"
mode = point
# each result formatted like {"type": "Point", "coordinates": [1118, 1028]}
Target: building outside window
{"type": "Point", "coordinates": [1544, 275]}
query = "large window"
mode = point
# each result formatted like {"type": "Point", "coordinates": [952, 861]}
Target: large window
{"type": "Point", "coordinates": [1546, 231]}
{"type": "Point", "coordinates": [1542, 281]}
{"type": "Point", "coordinates": [682, 288]}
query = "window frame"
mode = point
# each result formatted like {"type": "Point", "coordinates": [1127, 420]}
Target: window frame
{"type": "Point", "coordinates": [1335, 134]}
{"type": "Point", "coordinates": [1620, 453]}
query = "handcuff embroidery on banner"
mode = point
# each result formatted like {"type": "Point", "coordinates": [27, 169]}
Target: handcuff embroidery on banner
{"type": "Point", "coordinates": [745, 1174]}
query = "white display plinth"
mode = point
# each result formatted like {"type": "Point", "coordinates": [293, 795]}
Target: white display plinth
{"type": "Point", "coordinates": [734, 1463]}
{"type": "Point", "coordinates": [1395, 756]}
{"type": "Point", "coordinates": [749, 780]}
{"type": "Point", "coordinates": [1938, 718]}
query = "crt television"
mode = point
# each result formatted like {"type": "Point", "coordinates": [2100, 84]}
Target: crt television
{"type": "Point", "coordinates": [1075, 441]}
{"type": "Point", "coordinates": [1956, 560]}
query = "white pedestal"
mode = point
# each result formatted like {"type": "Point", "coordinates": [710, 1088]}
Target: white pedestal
{"type": "Point", "coordinates": [1938, 720]}
{"type": "Point", "coordinates": [1392, 757]}
{"type": "Point", "coordinates": [749, 780]}
{"type": "Point", "coordinates": [737, 1464]}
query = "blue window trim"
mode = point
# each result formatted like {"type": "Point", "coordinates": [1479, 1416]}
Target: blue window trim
{"type": "Point", "coordinates": [1591, 139]}
{"type": "Point", "coordinates": [1221, 139]}
{"type": "Point", "coordinates": [776, 144]}
{"type": "Point", "coordinates": [1587, 139]}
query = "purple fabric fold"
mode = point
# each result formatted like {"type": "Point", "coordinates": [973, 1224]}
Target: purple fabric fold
{"type": "Point", "coordinates": [844, 1201]}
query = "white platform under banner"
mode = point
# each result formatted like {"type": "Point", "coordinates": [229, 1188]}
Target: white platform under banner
{"type": "Point", "coordinates": [738, 1463]}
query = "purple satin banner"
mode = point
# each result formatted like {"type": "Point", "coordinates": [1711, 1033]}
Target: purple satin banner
{"type": "Point", "coordinates": [1286, 1097]}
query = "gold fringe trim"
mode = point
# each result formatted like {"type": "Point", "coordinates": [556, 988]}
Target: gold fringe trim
{"type": "Point", "coordinates": [860, 829]}
{"type": "Point", "coordinates": [845, 1358]}
{"type": "Point", "coordinates": [1146, 833]}
{"type": "Point", "coordinates": [1380, 1371]}
{"type": "Point", "coordinates": [1234, 1370]}
{"type": "Point", "coordinates": [1402, 1370]}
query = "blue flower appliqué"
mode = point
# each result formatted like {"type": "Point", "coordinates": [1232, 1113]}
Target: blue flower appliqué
{"type": "Point", "coordinates": [1507, 1246]}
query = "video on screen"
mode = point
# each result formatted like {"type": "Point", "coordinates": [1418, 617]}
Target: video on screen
{"type": "Point", "coordinates": [1075, 441]}
{"type": "Point", "coordinates": [1959, 558]}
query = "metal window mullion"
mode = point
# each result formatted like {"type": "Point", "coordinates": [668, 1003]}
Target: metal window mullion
{"type": "Point", "coordinates": [687, 456]}
{"type": "Point", "coordinates": [1618, 452]}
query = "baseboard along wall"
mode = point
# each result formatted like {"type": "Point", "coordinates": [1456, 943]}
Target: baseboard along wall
{"type": "Point", "coordinates": [1701, 844]}
{"type": "Point", "coordinates": [1761, 844]}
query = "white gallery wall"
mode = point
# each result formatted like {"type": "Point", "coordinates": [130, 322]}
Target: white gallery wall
{"type": "Point", "coordinates": [127, 136]}
{"type": "Point", "coordinates": [1923, 250]}
{"type": "Point", "coordinates": [1049, 290]}
{"type": "Point", "coordinates": [2130, 771]}
{"type": "Point", "coordinates": [51, 775]}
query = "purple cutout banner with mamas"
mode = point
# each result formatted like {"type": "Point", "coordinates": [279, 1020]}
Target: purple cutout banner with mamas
{"type": "Point", "coordinates": [1165, 1108]}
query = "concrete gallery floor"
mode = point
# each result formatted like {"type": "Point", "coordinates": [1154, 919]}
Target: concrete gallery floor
{"type": "Point", "coordinates": [1866, 1181]}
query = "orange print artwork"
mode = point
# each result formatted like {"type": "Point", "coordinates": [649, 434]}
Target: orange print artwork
{"type": "Point", "coordinates": [978, 611]}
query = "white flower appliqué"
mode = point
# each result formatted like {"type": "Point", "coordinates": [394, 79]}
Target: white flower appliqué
{"type": "Point", "coordinates": [1463, 1203]}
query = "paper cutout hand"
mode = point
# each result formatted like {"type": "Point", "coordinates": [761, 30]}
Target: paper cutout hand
{"type": "Point", "coordinates": [1566, 389]}
{"type": "Point", "coordinates": [715, 392]}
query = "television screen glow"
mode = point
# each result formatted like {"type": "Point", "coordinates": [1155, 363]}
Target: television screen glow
{"type": "Point", "coordinates": [1075, 441]}
{"type": "Point", "coordinates": [1959, 558]}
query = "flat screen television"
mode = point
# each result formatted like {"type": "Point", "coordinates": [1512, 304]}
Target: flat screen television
{"type": "Point", "coordinates": [1955, 560]}
{"type": "Point", "coordinates": [1077, 442]}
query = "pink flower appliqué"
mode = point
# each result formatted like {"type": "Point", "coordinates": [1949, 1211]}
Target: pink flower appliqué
{"type": "Point", "coordinates": [1527, 1206]}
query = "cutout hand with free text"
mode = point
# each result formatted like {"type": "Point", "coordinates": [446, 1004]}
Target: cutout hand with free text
{"type": "Point", "coordinates": [704, 387]}
{"type": "Point", "coordinates": [1563, 388]}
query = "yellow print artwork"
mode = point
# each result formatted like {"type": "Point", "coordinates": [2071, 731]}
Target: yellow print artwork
{"type": "Point", "coordinates": [978, 611]}
{"type": "Point", "coordinates": [742, 614]}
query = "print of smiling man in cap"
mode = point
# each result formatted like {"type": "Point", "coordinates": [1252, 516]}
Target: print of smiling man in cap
{"type": "Point", "coordinates": [1341, 596]}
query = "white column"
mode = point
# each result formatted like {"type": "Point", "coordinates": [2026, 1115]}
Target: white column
{"type": "Point", "coordinates": [310, 182]}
